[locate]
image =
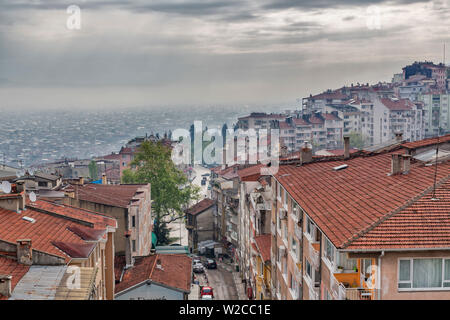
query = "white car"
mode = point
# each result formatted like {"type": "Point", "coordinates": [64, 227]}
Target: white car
{"type": "Point", "coordinates": [207, 297]}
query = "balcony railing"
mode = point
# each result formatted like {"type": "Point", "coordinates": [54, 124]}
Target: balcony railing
{"type": "Point", "coordinates": [298, 232]}
{"type": "Point", "coordinates": [361, 294]}
{"type": "Point", "coordinates": [313, 294]}
{"type": "Point", "coordinates": [314, 254]}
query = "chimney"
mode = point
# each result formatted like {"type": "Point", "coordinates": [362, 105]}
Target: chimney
{"type": "Point", "coordinates": [306, 153]}
{"type": "Point", "coordinates": [395, 164]}
{"type": "Point", "coordinates": [81, 181]}
{"type": "Point", "coordinates": [24, 252]}
{"type": "Point", "coordinates": [406, 163]}
{"type": "Point", "coordinates": [21, 189]}
{"type": "Point", "coordinates": [5, 285]}
{"type": "Point", "coordinates": [346, 147]}
{"type": "Point", "coordinates": [104, 180]}
{"type": "Point", "coordinates": [398, 136]}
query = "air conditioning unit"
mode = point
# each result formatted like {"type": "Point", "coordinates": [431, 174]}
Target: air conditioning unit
{"type": "Point", "coordinates": [283, 214]}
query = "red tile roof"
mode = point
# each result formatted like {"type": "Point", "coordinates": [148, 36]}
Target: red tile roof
{"type": "Point", "coordinates": [12, 268]}
{"type": "Point", "coordinates": [75, 250]}
{"type": "Point", "coordinates": [200, 206]}
{"type": "Point", "coordinates": [96, 219]}
{"type": "Point", "coordinates": [176, 272]}
{"type": "Point", "coordinates": [57, 230]}
{"type": "Point", "coordinates": [252, 173]}
{"type": "Point", "coordinates": [264, 243]}
{"type": "Point", "coordinates": [425, 224]}
{"type": "Point", "coordinates": [119, 265]}
{"type": "Point", "coordinates": [426, 142]}
{"type": "Point", "coordinates": [300, 122]}
{"type": "Point", "coordinates": [345, 203]}
{"type": "Point", "coordinates": [112, 195]}
{"type": "Point", "coordinates": [340, 152]}
{"type": "Point", "coordinates": [397, 105]}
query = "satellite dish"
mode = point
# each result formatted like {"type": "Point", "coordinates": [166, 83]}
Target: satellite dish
{"type": "Point", "coordinates": [31, 172]}
{"type": "Point", "coordinates": [20, 173]}
{"type": "Point", "coordinates": [32, 196]}
{"type": "Point", "coordinates": [6, 187]}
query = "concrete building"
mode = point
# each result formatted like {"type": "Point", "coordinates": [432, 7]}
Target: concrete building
{"type": "Point", "coordinates": [156, 277]}
{"type": "Point", "coordinates": [363, 227]}
{"type": "Point", "coordinates": [254, 232]}
{"type": "Point", "coordinates": [42, 244]}
{"type": "Point", "coordinates": [437, 107]}
{"type": "Point", "coordinates": [200, 223]}
{"type": "Point", "coordinates": [130, 205]}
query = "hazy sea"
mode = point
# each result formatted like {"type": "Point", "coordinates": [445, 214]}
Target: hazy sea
{"type": "Point", "coordinates": [29, 138]}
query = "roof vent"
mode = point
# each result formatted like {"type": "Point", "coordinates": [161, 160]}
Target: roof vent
{"type": "Point", "coordinates": [29, 219]}
{"type": "Point", "coordinates": [342, 167]}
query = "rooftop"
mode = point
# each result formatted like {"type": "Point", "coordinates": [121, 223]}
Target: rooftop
{"type": "Point", "coordinates": [200, 206]}
{"type": "Point", "coordinates": [344, 204]}
{"type": "Point", "coordinates": [175, 272]}
{"type": "Point", "coordinates": [112, 195]}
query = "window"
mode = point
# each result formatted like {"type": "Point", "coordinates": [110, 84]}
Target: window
{"type": "Point", "coordinates": [422, 273]}
{"type": "Point", "coordinates": [133, 243]}
{"type": "Point", "coordinates": [294, 245]}
{"type": "Point", "coordinates": [329, 251]}
{"type": "Point", "coordinates": [279, 191]}
{"type": "Point", "coordinates": [308, 269]}
{"type": "Point", "coordinates": [133, 221]}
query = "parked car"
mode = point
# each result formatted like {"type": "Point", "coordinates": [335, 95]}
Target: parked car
{"type": "Point", "coordinates": [211, 264]}
{"type": "Point", "coordinates": [206, 291]}
{"type": "Point", "coordinates": [196, 261]}
{"type": "Point", "coordinates": [198, 268]}
{"type": "Point", "coordinates": [207, 297]}
{"type": "Point", "coordinates": [203, 183]}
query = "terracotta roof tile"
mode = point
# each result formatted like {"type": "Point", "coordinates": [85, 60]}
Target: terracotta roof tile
{"type": "Point", "coordinates": [176, 272]}
{"type": "Point", "coordinates": [112, 195]}
{"type": "Point", "coordinates": [346, 202]}
{"type": "Point", "coordinates": [12, 268]}
{"type": "Point", "coordinates": [264, 245]}
{"type": "Point", "coordinates": [200, 206]}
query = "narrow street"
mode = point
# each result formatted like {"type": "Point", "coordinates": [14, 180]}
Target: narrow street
{"type": "Point", "coordinates": [221, 280]}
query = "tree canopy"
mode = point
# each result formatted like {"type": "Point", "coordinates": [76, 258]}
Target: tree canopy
{"type": "Point", "coordinates": [170, 188]}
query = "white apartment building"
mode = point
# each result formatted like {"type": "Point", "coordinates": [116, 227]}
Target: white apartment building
{"type": "Point", "coordinates": [437, 115]}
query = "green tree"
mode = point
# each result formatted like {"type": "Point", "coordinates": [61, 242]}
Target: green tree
{"type": "Point", "coordinates": [93, 170]}
{"type": "Point", "coordinates": [171, 190]}
{"type": "Point", "coordinates": [357, 140]}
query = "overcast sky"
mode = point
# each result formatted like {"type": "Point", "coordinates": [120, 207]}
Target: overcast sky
{"type": "Point", "coordinates": [145, 52]}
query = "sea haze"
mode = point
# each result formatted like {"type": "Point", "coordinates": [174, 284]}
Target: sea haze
{"type": "Point", "coordinates": [29, 138]}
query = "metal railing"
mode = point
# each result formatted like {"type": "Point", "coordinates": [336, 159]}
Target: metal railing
{"type": "Point", "coordinates": [314, 255]}
{"type": "Point", "coordinates": [361, 294]}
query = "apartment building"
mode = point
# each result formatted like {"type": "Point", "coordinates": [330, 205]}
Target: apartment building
{"type": "Point", "coordinates": [225, 192]}
{"type": "Point", "coordinates": [130, 205]}
{"type": "Point", "coordinates": [437, 116]}
{"type": "Point", "coordinates": [258, 120]}
{"type": "Point", "coordinates": [363, 226]}
{"type": "Point", "coordinates": [393, 115]}
{"type": "Point", "coordinates": [201, 222]}
{"type": "Point", "coordinates": [42, 244]}
{"type": "Point", "coordinates": [254, 232]}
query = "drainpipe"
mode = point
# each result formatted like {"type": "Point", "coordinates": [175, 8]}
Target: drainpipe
{"type": "Point", "coordinates": [379, 277]}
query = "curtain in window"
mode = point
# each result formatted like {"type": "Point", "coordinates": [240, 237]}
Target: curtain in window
{"type": "Point", "coordinates": [427, 273]}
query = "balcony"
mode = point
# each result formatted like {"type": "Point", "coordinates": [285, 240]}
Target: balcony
{"type": "Point", "coordinates": [360, 294]}
{"type": "Point", "coordinates": [313, 293]}
{"type": "Point", "coordinates": [298, 232]}
{"type": "Point", "coordinates": [314, 254]}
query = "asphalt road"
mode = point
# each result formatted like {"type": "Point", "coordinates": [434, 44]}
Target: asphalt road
{"type": "Point", "coordinates": [221, 280]}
